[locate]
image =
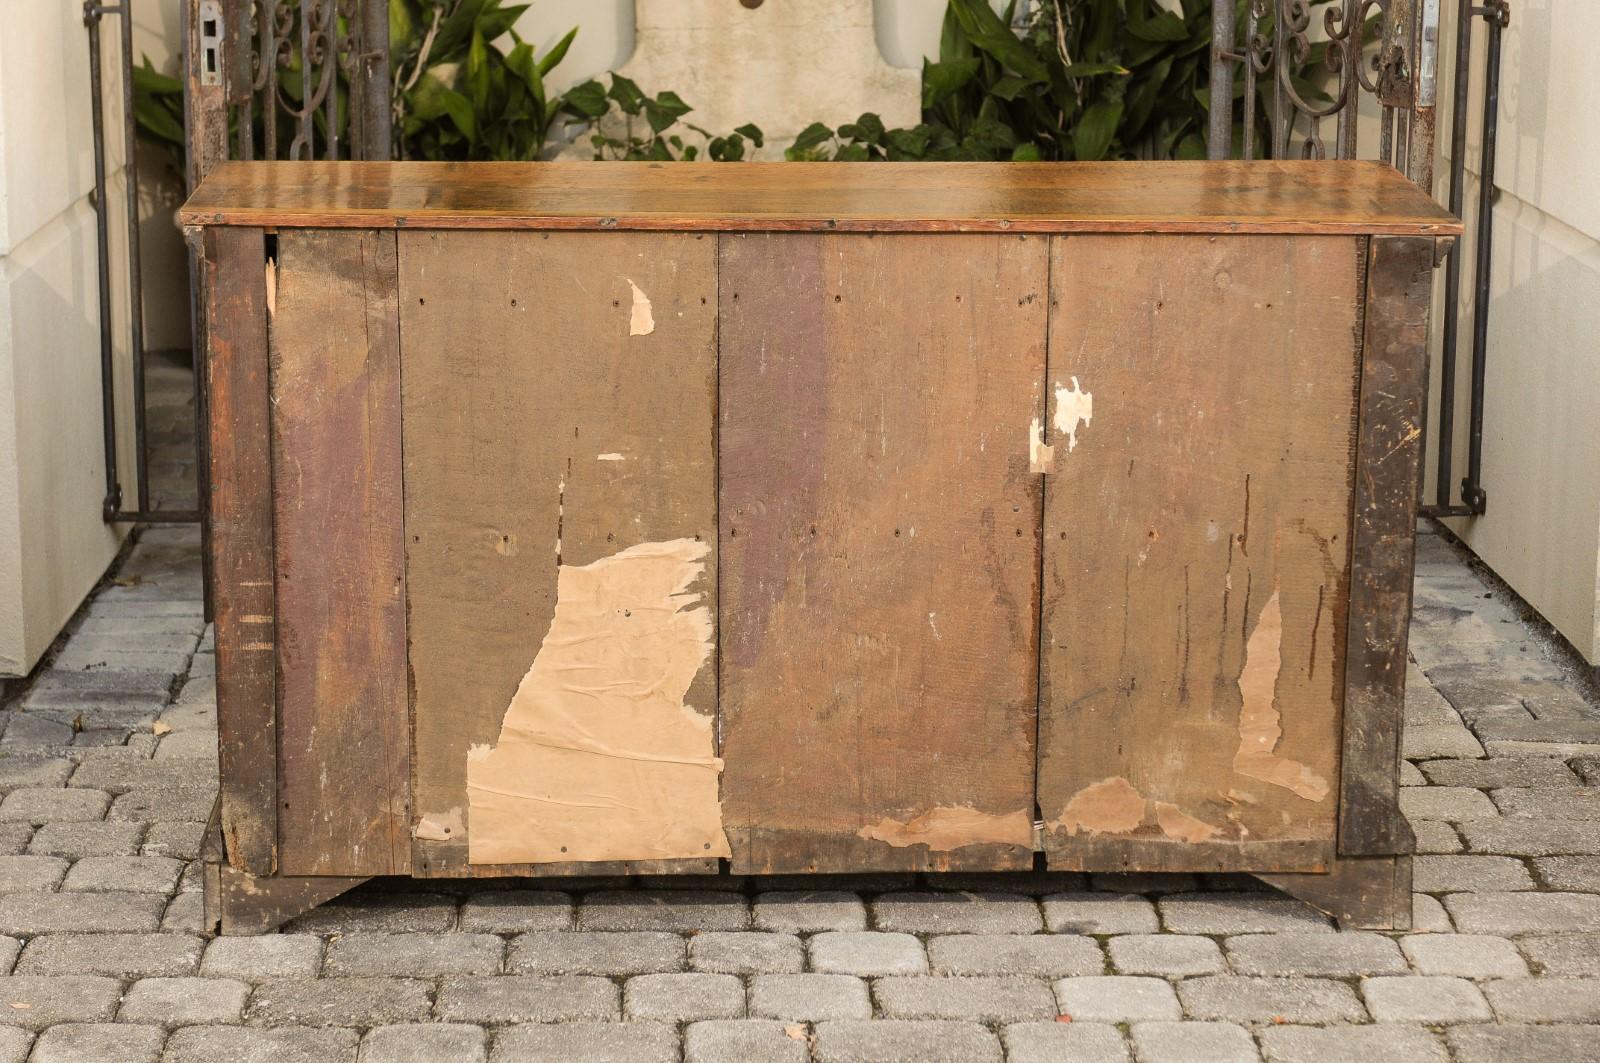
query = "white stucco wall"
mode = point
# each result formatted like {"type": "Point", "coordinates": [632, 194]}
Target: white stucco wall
{"type": "Point", "coordinates": [53, 545]}
{"type": "Point", "coordinates": [1541, 430]}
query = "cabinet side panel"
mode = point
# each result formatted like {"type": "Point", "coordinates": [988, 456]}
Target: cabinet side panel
{"type": "Point", "coordinates": [879, 528]}
{"type": "Point", "coordinates": [559, 407]}
{"type": "Point", "coordinates": [241, 543]}
{"type": "Point", "coordinates": [343, 725]}
{"type": "Point", "coordinates": [1196, 565]}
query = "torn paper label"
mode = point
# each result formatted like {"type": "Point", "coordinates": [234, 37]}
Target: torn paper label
{"type": "Point", "coordinates": [952, 827]}
{"type": "Point", "coordinates": [1260, 724]}
{"type": "Point", "coordinates": [599, 756]}
{"type": "Point", "coordinates": [641, 320]}
{"type": "Point", "coordinates": [1074, 407]}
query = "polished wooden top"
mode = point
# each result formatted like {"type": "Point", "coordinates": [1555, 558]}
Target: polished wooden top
{"type": "Point", "coordinates": [1195, 197]}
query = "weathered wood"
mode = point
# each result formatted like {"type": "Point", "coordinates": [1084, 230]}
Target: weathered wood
{"type": "Point", "coordinates": [559, 414]}
{"type": "Point", "coordinates": [1388, 459]}
{"type": "Point", "coordinates": [237, 903]}
{"type": "Point", "coordinates": [1218, 197]}
{"type": "Point", "coordinates": [344, 732]}
{"type": "Point", "coordinates": [241, 542]}
{"type": "Point", "coordinates": [879, 549]}
{"type": "Point", "coordinates": [1362, 893]}
{"type": "Point", "coordinates": [1196, 547]}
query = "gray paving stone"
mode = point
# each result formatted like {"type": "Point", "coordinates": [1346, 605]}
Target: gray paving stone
{"type": "Point", "coordinates": [179, 840]}
{"type": "Point", "coordinates": [683, 997]}
{"type": "Point", "coordinates": [185, 914]}
{"type": "Point", "coordinates": [957, 913]}
{"type": "Point", "coordinates": [866, 953]}
{"type": "Point", "coordinates": [804, 911]}
{"type": "Point", "coordinates": [37, 1002]}
{"type": "Point", "coordinates": [93, 1042]}
{"type": "Point", "coordinates": [184, 1001]}
{"type": "Point", "coordinates": [1385, 1042]}
{"type": "Point", "coordinates": [78, 840]}
{"type": "Point", "coordinates": [1241, 913]}
{"type": "Point", "coordinates": [14, 1044]}
{"type": "Point", "coordinates": [1334, 955]}
{"type": "Point", "coordinates": [9, 949]}
{"type": "Point", "coordinates": [1469, 874]}
{"type": "Point", "coordinates": [47, 913]}
{"type": "Point", "coordinates": [132, 874]}
{"type": "Point", "coordinates": [397, 913]}
{"type": "Point", "coordinates": [1566, 802]}
{"type": "Point", "coordinates": [151, 806]}
{"type": "Point", "coordinates": [738, 952]}
{"type": "Point", "coordinates": [425, 1043]}
{"type": "Point", "coordinates": [670, 910]}
{"type": "Point", "coordinates": [631, 1042]}
{"type": "Point", "coordinates": [1099, 913]}
{"type": "Point", "coordinates": [595, 952]}
{"type": "Point", "coordinates": [116, 955]}
{"type": "Point", "coordinates": [1428, 915]}
{"type": "Point", "coordinates": [1168, 955]}
{"type": "Point", "coordinates": [1237, 998]}
{"type": "Point", "coordinates": [1511, 914]}
{"type": "Point", "coordinates": [1410, 775]}
{"type": "Point", "coordinates": [31, 874]}
{"type": "Point", "coordinates": [1031, 883]}
{"type": "Point", "coordinates": [1426, 741]}
{"type": "Point", "coordinates": [517, 911]}
{"type": "Point", "coordinates": [745, 1041]}
{"type": "Point", "coordinates": [186, 745]}
{"type": "Point", "coordinates": [528, 998]}
{"type": "Point", "coordinates": [263, 958]}
{"type": "Point", "coordinates": [1576, 874]}
{"type": "Point", "coordinates": [1433, 1001]}
{"type": "Point", "coordinates": [22, 771]}
{"type": "Point", "coordinates": [413, 955]}
{"type": "Point", "coordinates": [1007, 998]}
{"type": "Point", "coordinates": [1055, 1042]}
{"type": "Point", "coordinates": [809, 997]}
{"type": "Point", "coordinates": [338, 1002]}
{"type": "Point", "coordinates": [1117, 999]}
{"type": "Point", "coordinates": [1038, 955]}
{"type": "Point", "coordinates": [1453, 804]}
{"type": "Point", "coordinates": [14, 839]}
{"type": "Point", "coordinates": [1464, 955]}
{"type": "Point", "coordinates": [886, 1041]}
{"type": "Point", "coordinates": [1193, 1042]}
{"type": "Point", "coordinates": [1564, 954]}
{"type": "Point", "coordinates": [26, 733]}
{"type": "Point", "coordinates": [41, 805]}
{"type": "Point", "coordinates": [1545, 999]}
{"type": "Point", "coordinates": [241, 1044]}
{"type": "Point", "coordinates": [1494, 772]}
{"type": "Point", "coordinates": [1503, 1044]}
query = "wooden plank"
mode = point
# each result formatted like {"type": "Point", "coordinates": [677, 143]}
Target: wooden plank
{"type": "Point", "coordinates": [1197, 538]}
{"type": "Point", "coordinates": [343, 724]}
{"type": "Point", "coordinates": [1362, 893]}
{"type": "Point", "coordinates": [1388, 463]}
{"type": "Point", "coordinates": [559, 399]}
{"type": "Point", "coordinates": [1213, 197]}
{"type": "Point", "coordinates": [879, 537]}
{"type": "Point", "coordinates": [242, 905]}
{"type": "Point", "coordinates": [241, 543]}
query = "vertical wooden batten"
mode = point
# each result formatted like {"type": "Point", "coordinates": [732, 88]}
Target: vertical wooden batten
{"type": "Point", "coordinates": [238, 312]}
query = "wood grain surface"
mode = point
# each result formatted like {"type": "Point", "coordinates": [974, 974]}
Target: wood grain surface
{"type": "Point", "coordinates": [1197, 550]}
{"type": "Point", "coordinates": [344, 732]}
{"type": "Point", "coordinates": [1216, 197]}
{"type": "Point", "coordinates": [1394, 381]}
{"type": "Point", "coordinates": [550, 419]}
{"type": "Point", "coordinates": [241, 544]}
{"type": "Point", "coordinates": [879, 549]}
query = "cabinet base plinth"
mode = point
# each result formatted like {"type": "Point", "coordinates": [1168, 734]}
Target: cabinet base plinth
{"type": "Point", "coordinates": [1361, 892]}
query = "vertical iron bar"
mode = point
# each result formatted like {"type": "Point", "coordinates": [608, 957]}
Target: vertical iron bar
{"type": "Point", "coordinates": [1496, 12]}
{"type": "Point", "coordinates": [1219, 136]}
{"type": "Point", "coordinates": [1252, 25]}
{"type": "Point", "coordinates": [108, 405]}
{"type": "Point", "coordinates": [330, 70]}
{"type": "Point", "coordinates": [130, 140]}
{"type": "Point", "coordinates": [377, 136]}
{"type": "Point", "coordinates": [1443, 488]}
{"type": "Point", "coordinates": [1349, 82]}
{"type": "Point", "coordinates": [1280, 72]}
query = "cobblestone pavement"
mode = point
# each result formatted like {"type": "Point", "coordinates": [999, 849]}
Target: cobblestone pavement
{"type": "Point", "coordinates": [107, 769]}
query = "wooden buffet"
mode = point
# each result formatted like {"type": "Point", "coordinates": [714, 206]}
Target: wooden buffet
{"type": "Point", "coordinates": [759, 518]}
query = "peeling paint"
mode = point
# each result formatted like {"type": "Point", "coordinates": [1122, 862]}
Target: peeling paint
{"type": "Point", "coordinates": [945, 828]}
{"type": "Point", "coordinates": [440, 826]}
{"type": "Point", "coordinates": [599, 756]}
{"type": "Point", "coordinates": [1074, 407]}
{"type": "Point", "coordinates": [641, 321]}
{"type": "Point", "coordinates": [1260, 724]}
{"type": "Point", "coordinates": [272, 287]}
{"type": "Point", "coordinates": [1178, 825]}
{"type": "Point", "coordinates": [1110, 806]}
{"type": "Point", "coordinates": [612, 456]}
{"type": "Point", "coordinates": [1041, 455]}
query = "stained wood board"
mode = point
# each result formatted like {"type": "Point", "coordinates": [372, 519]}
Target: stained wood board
{"type": "Point", "coordinates": [241, 544]}
{"type": "Point", "coordinates": [344, 732]}
{"type": "Point", "coordinates": [1196, 559]}
{"type": "Point", "coordinates": [559, 394]}
{"type": "Point", "coordinates": [879, 549]}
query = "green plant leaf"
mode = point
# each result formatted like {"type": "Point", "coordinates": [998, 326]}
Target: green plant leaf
{"type": "Point", "coordinates": [494, 21]}
{"type": "Point", "coordinates": [588, 99]}
{"type": "Point", "coordinates": [627, 94]}
{"type": "Point", "coordinates": [943, 79]}
{"type": "Point", "coordinates": [1025, 153]}
{"type": "Point", "coordinates": [812, 135]}
{"type": "Point", "coordinates": [554, 56]}
{"type": "Point", "coordinates": [1092, 136]}
{"type": "Point", "coordinates": [665, 109]}
{"type": "Point", "coordinates": [459, 108]}
{"type": "Point", "coordinates": [752, 133]}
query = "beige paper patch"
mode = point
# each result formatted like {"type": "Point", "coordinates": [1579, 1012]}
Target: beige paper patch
{"type": "Point", "coordinates": [1110, 806]}
{"type": "Point", "coordinates": [945, 828]}
{"type": "Point", "coordinates": [599, 757]}
{"type": "Point", "coordinates": [1260, 725]}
